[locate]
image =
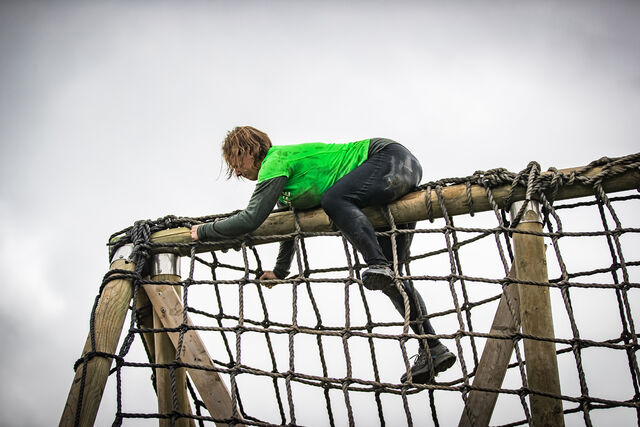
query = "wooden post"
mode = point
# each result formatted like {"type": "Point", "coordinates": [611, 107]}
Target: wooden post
{"type": "Point", "coordinates": [494, 361]}
{"type": "Point", "coordinates": [166, 267]}
{"type": "Point", "coordinates": [109, 319]}
{"type": "Point", "coordinates": [535, 315]}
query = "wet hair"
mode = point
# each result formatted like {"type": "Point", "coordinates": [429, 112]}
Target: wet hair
{"type": "Point", "coordinates": [241, 140]}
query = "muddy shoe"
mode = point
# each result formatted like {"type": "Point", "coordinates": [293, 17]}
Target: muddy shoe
{"type": "Point", "coordinates": [422, 372]}
{"type": "Point", "coordinates": [377, 277]}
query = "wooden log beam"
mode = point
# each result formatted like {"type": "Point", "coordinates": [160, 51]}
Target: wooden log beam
{"type": "Point", "coordinates": [494, 361]}
{"type": "Point", "coordinates": [212, 389]}
{"type": "Point", "coordinates": [410, 208]}
{"type": "Point", "coordinates": [108, 322]}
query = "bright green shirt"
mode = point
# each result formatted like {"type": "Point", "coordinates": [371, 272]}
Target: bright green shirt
{"type": "Point", "coordinates": [311, 169]}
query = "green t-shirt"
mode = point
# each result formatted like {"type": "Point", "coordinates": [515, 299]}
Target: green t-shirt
{"type": "Point", "coordinates": [311, 168]}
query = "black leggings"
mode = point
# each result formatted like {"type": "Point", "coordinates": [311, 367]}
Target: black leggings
{"type": "Point", "coordinates": [382, 178]}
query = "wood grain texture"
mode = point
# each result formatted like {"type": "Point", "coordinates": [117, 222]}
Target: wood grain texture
{"type": "Point", "coordinates": [212, 389]}
{"type": "Point", "coordinates": [109, 319]}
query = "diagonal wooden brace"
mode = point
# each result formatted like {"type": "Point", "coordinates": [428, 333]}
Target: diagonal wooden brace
{"type": "Point", "coordinates": [494, 361]}
{"type": "Point", "coordinates": [165, 267]}
{"type": "Point", "coordinates": [213, 391]}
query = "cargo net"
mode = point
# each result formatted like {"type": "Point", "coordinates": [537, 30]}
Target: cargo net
{"type": "Point", "coordinates": [320, 349]}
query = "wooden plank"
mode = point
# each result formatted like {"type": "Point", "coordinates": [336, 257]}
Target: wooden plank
{"type": "Point", "coordinates": [536, 319]}
{"type": "Point", "coordinates": [108, 322]}
{"type": "Point", "coordinates": [212, 389]}
{"type": "Point", "coordinates": [494, 361]}
{"type": "Point", "coordinates": [165, 352]}
{"type": "Point", "coordinates": [410, 208]}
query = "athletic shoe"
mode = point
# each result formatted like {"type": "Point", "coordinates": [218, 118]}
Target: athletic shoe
{"type": "Point", "coordinates": [377, 277]}
{"type": "Point", "coordinates": [422, 372]}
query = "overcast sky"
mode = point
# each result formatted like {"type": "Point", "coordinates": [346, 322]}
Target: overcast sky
{"type": "Point", "coordinates": [113, 111]}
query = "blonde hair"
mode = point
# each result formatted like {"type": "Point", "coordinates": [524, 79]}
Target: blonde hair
{"type": "Point", "coordinates": [240, 141]}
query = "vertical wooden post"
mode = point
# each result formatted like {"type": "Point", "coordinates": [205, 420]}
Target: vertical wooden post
{"type": "Point", "coordinates": [166, 267]}
{"type": "Point", "coordinates": [109, 319]}
{"type": "Point", "coordinates": [536, 319]}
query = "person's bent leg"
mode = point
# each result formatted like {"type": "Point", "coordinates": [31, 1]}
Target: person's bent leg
{"type": "Point", "coordinates": [418, 309]}
{"type": "Point", "coordinates": [355, 226]}
{"type": "Point", "coordinates": [433, 356]}
{"type": "Point", "coordinates": [432, 360]}
{"type": "Point", "coordinates": [384, 177]}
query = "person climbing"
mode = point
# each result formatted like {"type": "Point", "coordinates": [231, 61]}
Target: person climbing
{"type": "Point", "coordinates": [342, 179]}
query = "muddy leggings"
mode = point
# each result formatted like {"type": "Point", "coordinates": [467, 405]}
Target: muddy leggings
{"type": "Point", "coordinates": [382, 178]}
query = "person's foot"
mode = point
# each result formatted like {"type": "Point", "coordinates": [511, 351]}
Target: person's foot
{"type": "Point", "coordinates": [377, 277]}
{"type": "Point", "coordinates": [423, 371]}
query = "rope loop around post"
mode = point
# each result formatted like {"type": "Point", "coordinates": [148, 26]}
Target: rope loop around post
{"type": "Point", "coordinates": [519, 208]}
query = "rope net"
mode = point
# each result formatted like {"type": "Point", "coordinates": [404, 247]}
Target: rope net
{"type": "Point", "coordinates": [320, 349]}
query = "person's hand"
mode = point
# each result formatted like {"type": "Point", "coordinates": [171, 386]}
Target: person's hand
{"type": "Point", "coordinates": [194, 232]}
{"type": "Point", "coordinates": [268, 275]}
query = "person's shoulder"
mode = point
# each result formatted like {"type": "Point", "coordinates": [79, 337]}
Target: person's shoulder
{"type": "Point", "coordinates": [274, 163]}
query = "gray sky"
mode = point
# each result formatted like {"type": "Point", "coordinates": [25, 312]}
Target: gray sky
{"type": "Point", "coordinates": [113, 111]}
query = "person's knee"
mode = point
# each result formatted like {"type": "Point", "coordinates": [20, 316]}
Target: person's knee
{"type": "Point", "coordinates": [330, 203]}
{"type": "Point", "coordinates": [397, 185]}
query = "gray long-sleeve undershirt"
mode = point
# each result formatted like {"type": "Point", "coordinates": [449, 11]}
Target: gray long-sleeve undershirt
{"type": "Point", "coordinates": [264, 198]}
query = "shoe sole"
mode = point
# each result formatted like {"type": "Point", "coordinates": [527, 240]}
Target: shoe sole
{"type": "Point", "coordinates": [423, 376]}
{"type": "Point", "coordinates": [376, 282]}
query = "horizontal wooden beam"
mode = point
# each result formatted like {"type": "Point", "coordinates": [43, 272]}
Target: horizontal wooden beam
{"type": "Point", "coordinates": [410, 208]}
